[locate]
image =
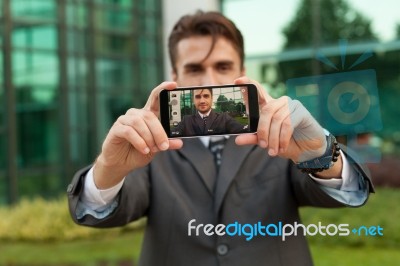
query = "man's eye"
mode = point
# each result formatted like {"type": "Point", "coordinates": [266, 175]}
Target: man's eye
{"type": "Point", "coordinates": [193, 69]}
{"type": "Point", "coordinates": [224, 67]}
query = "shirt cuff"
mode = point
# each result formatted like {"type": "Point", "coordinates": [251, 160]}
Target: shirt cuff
{"type": "Point", "coordinates": [98, 199]}
{"type": "Point", "coordinates": [348, 182]}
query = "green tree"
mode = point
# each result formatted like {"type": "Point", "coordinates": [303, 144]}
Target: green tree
{"type": "Point", "coordinates": [222, 103]}
{"type": "Point", "coordinates": [321, 22]}
{"type": "Point", "coordinates": [231, 106]}
{"type": "Point", "coordinates": [240, 108]}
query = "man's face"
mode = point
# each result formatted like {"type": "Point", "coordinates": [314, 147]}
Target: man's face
{"type": "Point", "coordinates": [222, 66]}
{"type": "Point", "coordinates": [202, 100]}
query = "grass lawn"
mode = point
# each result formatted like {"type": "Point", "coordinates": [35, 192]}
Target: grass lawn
{"type": "Point", "coordinates": [123, 250]}
{"type": "Point", "coordinates": [120, 250]}
{"type": "Point", "coordinates": [381, 209]}
{"type": "Point", "coordinates": [354, 256]}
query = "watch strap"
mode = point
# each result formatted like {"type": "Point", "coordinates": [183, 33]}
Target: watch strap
{"type": "Point", "coordinates": [325, 161]}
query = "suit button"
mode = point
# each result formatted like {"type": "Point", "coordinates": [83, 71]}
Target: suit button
{"type": "Point", "coordinates": [222, 249]}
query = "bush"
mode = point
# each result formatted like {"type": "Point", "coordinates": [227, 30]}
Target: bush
{"type": "Point", "coordinates": [42, 220]}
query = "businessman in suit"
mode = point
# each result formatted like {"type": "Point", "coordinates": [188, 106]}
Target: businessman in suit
{"type": "Point", "coordinates": [206, 121]}
{"type": "Point", "coordinates": [177, 186]}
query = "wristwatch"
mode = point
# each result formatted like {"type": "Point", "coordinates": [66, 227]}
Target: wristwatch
{"type": "Point", "coordinates": [324, 162]}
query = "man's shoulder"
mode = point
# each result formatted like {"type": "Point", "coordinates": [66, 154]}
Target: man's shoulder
{"type": "Point", "coordinates": [222, 115]}
{"type": "Point", "coordinates": [187, 117]}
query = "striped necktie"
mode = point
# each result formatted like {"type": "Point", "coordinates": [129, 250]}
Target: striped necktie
{"type": "Point", "coordinates": [205, 124]}
{"type": "Point", "coordinates": [216, 146]}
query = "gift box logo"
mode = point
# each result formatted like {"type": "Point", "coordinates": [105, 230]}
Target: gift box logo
{"type": "Point", "coordinates": [345, 103]}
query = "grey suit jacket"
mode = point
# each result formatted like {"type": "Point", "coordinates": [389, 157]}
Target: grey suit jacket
{"type": "Point", "coordinates": [217, 123]}
{"type": "Point", "coordinates": [251, 187]}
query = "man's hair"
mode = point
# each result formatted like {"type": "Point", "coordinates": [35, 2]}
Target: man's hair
{"type": "Point", "coordinates": [201, 91]}
{"type": "Point", "coordinates": [212, 24]}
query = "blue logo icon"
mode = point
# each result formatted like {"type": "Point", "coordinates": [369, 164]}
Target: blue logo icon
{"type": "Point", "coordinates": [345, 103]}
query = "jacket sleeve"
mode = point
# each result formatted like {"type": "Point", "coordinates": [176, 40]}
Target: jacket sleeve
{"type": "Point", "coordinates": [310, 193]}
{"type": "Point", "coordinates": [132, 200]}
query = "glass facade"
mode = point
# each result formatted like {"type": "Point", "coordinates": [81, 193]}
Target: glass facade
{"type": "Point", "coordinates": [68, 69]}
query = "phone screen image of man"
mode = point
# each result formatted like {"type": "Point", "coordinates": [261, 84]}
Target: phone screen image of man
{"type": "Point", "coordinates": [207, 111]}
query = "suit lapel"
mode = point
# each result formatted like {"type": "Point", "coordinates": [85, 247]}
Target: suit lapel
{"type": "Point", "coordinates": [198, 124]}
{"type": "Point", "coordinates": [202, 160]}
{"type": "Point", "coordinates": [233, 157]}
{"type": "Point", "coordinates": [211, 118]}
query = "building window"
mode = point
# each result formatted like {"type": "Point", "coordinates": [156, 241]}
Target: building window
{"type": "Point", "coordinates": [75, 65]}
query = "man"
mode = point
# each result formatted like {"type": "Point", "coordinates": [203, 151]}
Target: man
{"type": "Point", "coordinates": [140, 172]}
{"type": "Point", "coordinates": [206, 121]}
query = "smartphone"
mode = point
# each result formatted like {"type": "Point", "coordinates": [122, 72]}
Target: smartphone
{"type": "Point", "coordinates": [209, 110]}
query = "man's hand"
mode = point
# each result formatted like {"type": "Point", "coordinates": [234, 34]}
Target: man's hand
{"type": "Point", "coordinates": [132, 141]}
{"type": "Point", "coordinates": [287, 129]}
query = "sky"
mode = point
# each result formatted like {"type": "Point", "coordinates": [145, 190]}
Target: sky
{"type": "Point", "coordinates": [274, 15]}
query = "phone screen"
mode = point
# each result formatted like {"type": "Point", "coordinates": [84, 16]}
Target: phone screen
{"type": "Point", "coordinates": [209, 110]}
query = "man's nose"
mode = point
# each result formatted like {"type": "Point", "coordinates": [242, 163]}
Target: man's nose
{"type": "Point", "coordinates": [210, 77]}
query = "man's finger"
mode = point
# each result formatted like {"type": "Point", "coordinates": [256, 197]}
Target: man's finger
{"type": "Point", "coordinates": [152, 102]}
{"type": "Point", "coordinates": [157, 131]}
{"type": "Point", "coordinates": [263, 96]}
{"type": "Point", "coordinates": [246, 139]}
{"type": "Point", "coordinates": [279, 112]}
{"type": "Point", "coordinates": [138, 124]}
{"type": "Point", "coordinates": [129, 134]}
{"type": "Point", "coordinates": [175, 144]}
